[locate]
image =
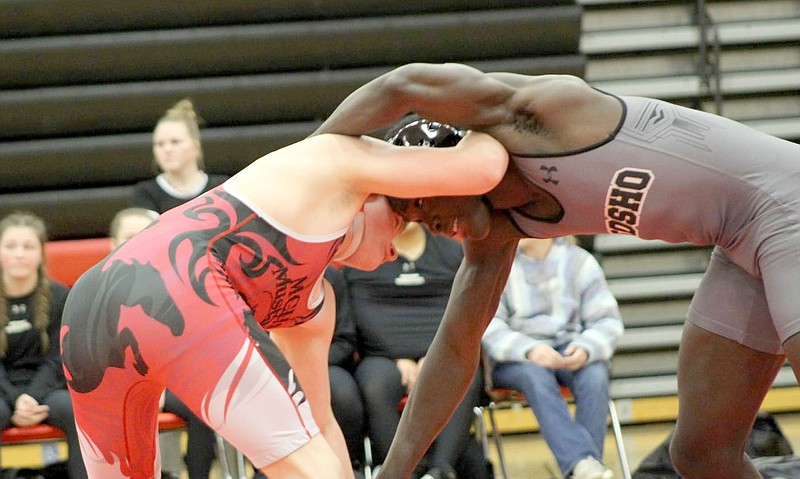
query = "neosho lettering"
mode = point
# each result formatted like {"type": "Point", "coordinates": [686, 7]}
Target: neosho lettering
{"type": "Point", "coordinates": [626, 196]}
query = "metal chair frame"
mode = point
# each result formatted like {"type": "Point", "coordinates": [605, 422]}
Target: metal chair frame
{"type": "Point", "coordinates": [502, 397]}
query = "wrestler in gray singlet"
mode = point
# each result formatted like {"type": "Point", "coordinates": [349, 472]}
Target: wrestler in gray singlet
{"type": "Point", "coordinates": [682, 175]}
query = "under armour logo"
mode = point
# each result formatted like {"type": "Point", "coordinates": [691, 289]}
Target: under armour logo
{"type": "Point", "coordinates": [549, 170]}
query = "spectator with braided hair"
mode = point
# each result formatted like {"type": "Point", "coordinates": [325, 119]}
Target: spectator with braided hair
{"type": "Point", "coordinates": [32, 381]}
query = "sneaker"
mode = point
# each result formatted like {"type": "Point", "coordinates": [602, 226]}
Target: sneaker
{"type": "Point", "coordinates": [591, 468]}
{"type": "Point", "coordinates": [437, 473]}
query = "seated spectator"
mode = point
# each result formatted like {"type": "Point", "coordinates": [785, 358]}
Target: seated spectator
{"type": "Point", "coordinates": [178, 159]}
{"type": "Point", "coordinates": [201, 440]}
{"type": "Point", "coordinates": [397, 309]}
{"type": "Point", "coordinates": [32, 383]}
{"type": "Point", "coordinates": [558, 324]}
{"type": "Point", "coordinates": [127, 222]}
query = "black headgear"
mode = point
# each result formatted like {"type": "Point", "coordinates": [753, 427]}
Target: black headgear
{"type": "Point", "coordinates": [426, 133]}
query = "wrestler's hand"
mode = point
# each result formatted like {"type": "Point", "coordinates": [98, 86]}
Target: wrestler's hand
{"type": "Point", "coordinates": [547, 357]}
{"type": "Point", "coordinates": [408, 372]}
{"type": "Point", "coordinates": [575, 357]}
{"type": "Point", "coordinates": [28, 411]}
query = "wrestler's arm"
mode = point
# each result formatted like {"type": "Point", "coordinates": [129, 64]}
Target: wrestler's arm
{"type": "Point", "coordinates": [306, 348]}
{"type": "Point", "coordinates": [449, 93]}
{"type": "Point", "coordinates": [454, 354]}
{"type": "Point", "coordinates": [473, 167]}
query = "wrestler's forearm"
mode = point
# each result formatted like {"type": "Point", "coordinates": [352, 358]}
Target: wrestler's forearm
{"type": "Point", "coordinates": [450, 93]}
{"type": "Point", "coordinates": [374, 105]}
{"type": "Point", "coordinates": [430, 406]}
{"type": "Point", "coordinates": [452, 358]}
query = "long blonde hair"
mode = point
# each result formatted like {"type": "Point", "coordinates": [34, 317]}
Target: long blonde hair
{"type": "Point", "coordinates": [184, 112]}
{"type": "Point", "coordinates": [43, 291]}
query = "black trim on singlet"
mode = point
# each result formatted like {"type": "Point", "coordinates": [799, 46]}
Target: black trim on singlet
{"type": "Point", "coordinates": [555, 219]}
{"type": "Point", "coordinates": [514, 223]}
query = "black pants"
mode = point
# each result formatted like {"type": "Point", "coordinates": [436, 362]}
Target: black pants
{"type": "Point", "coordinates": [348, 409]}
{"type": "Point", "coordinates": [379, 381]}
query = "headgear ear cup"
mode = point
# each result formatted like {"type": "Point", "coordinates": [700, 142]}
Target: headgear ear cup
{"type": "Point", "coordinates": [427, 133]}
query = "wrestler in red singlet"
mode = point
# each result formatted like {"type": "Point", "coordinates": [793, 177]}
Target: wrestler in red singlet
{"type": "Point", "coordinates": [210, 275]}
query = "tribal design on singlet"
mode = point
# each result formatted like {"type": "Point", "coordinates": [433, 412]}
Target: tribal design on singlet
{"type": "Point", "coordinates": [214, 240]}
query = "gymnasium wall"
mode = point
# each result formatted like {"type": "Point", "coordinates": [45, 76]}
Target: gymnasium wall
{"type": "Point", "coordinates": [82, 83]}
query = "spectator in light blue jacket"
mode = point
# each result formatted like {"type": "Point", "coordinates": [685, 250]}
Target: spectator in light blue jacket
{"type": "Point", "coordinates": [558, 324]}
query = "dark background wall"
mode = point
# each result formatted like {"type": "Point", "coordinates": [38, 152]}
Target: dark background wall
{"type": "Point", "coordinates": [82, 82]}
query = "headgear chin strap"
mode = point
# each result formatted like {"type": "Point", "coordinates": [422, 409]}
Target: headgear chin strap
{"type": "Point", "coordinates": [427, 133]}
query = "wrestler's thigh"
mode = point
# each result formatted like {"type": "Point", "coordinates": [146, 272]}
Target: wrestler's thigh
{"type": "Point", "coordinates": [779, 262]}
{"type": "Point", "coordinates": [733, 304]}
{"type": "Point", "coordinates": [721, 385]}
{"type": "Point", "coordinates": [117, 426]}
{"type": "Point", "coordinates": [255, 403]}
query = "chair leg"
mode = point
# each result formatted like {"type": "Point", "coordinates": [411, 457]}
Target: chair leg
{"type": "Point", "coordinates": [367, 458]}
{"type": "Point", "coordinates": [223, 458]}
{"type": "Point", "coordinates": [224, 453]}
{"type": "Point", "coordinates": [480, 430]}
{"type": "Point", "coordinates": [623, 456]}
{"type": "Point", "coordinates": [498, 441]}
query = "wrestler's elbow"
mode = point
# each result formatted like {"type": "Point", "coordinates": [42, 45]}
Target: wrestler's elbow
{"type": "Point", "coordinates": [400, 82]}
{"type": "Point", "coordinates": [489, 159]}
{"type": "Point", "coordinates": [415, 82]}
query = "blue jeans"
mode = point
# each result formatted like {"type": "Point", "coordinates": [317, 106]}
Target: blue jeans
{"type": "Point", "coordinates": [570, 439]}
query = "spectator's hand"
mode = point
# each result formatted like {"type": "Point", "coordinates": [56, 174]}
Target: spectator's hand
{"type": "Point", "coordinates": [28, 411]}
{"type": "Point", "coordinates": [575, 357]}
{"type": "Point", "coordinates": [547, 357]}
{"type": "Point", "coordinates": [408, 372]}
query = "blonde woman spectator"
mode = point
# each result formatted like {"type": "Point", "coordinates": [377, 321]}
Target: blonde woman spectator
{"type": "Point", "coordinates": [178, 159]}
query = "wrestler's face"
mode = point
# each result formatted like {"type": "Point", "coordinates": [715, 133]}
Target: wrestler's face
{"type": "Point", "coordinates": [381, 226]}
{"type": "Point", "coordinates": [458, 217]}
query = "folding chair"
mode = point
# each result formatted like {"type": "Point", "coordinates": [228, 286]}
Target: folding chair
{"type": "Point", "coordinates": [503, 397]}
{"type": "Point", "coordinates": [42, 433]}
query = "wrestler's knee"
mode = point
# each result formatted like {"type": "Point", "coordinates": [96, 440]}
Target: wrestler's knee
{"type": "Point", "coordinates": [694, 457]}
